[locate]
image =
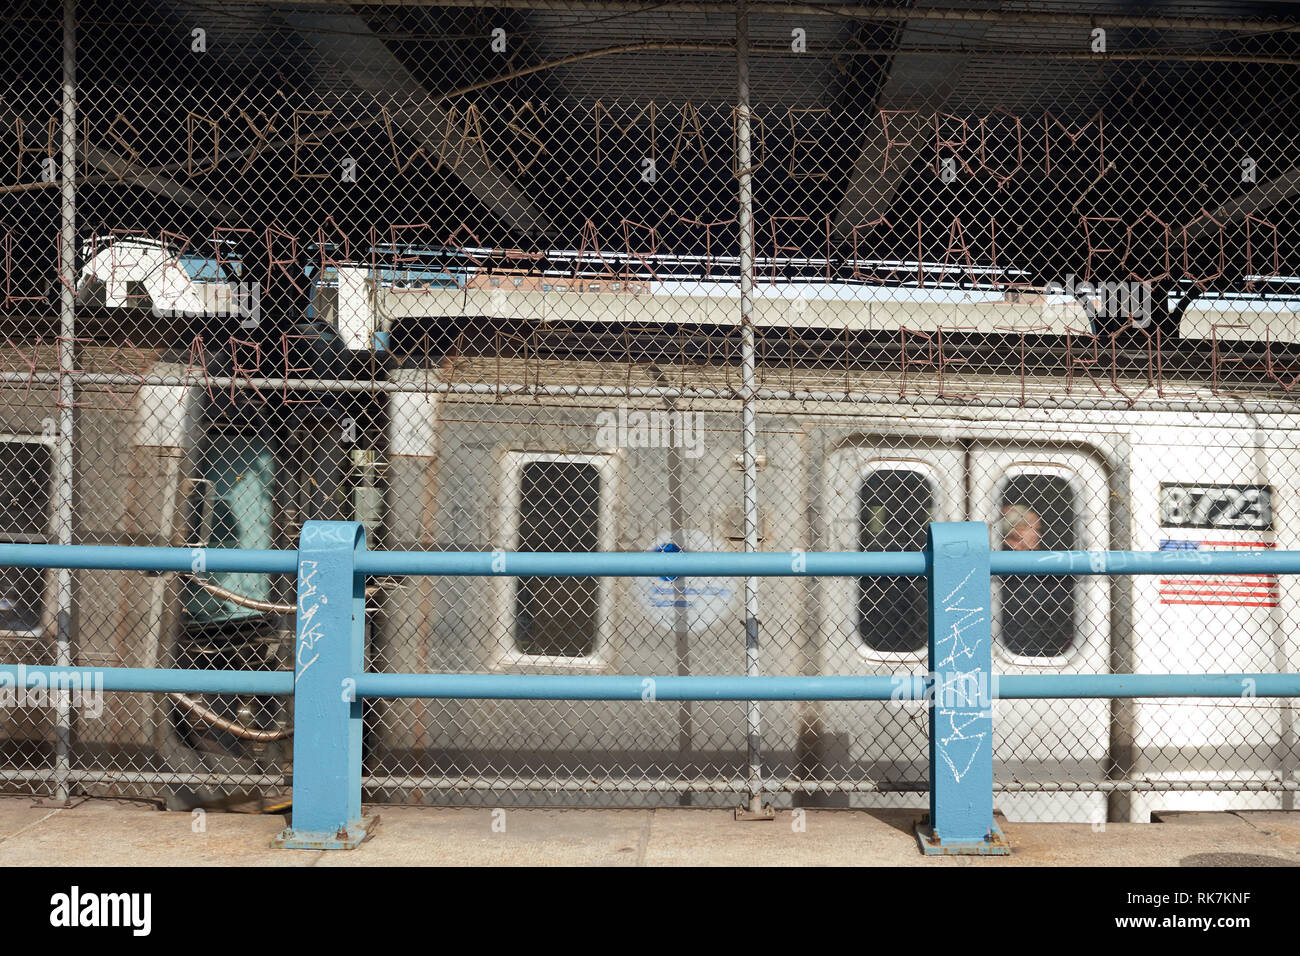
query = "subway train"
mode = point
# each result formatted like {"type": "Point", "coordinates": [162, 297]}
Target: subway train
{"type": "Point", "coordinates": [470, 452]}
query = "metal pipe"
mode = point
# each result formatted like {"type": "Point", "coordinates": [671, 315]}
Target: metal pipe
{"type": "Point", "coordinates": [145, 680]}
{"type": "Point", "coordinates": [749, 382]}
{"type": "Point", "coordinates": [652, 564]}
{"type": "Point", "coordinates": [255, 604]}
{"type": "Point", "coordinates": [1081, 686]}
{"type": "Point", "coordinates": [114, 557]}
{"type": "Point", "coordinates": [64, 446]}
{"type": "Point", "coordinates": [898, 687]}
{"type": "Point", "coordinates": [209, 716]}
{"type": "Point", "coordinates": [618, 687]}
{"type": "Point", "coordinates": [635, 563]}
{"type": "Point", "coordinates": [813, 563]}
{"type": "Point", "coordinates": [242, 600]}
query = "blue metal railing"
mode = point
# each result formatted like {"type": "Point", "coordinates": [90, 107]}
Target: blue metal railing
{"type": "Point", "coordinates": [329, 682]}
{"type": "Point", "coordinates": [647, 564]}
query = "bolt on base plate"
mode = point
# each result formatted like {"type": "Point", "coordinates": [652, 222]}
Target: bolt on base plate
{"type": "Point", "coordinates": [996, 844]}
{"type": "Point", "coordinates": [744, 814]}
{"type": "Point", "coordinates": [347, 838]}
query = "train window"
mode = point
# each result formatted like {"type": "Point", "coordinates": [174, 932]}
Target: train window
{"type": "Point", "coordinates": [1035, 614]}
{"type": "Point", "coordinates": [237, 480]}
{"type": "Point", "coordinates": [559, 510]}
{"type": "Point", "coordinates": [894, 509]}
{"type": "Point", "coordinates": [26, 473]}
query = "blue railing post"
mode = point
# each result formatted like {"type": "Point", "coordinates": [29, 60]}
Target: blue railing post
{"type": "Point", "coordinates": [326, 709]}
{"type": "Point", "coordinates": [961, 685]}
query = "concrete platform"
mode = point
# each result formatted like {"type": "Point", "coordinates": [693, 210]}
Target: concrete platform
{"type": "Point", "coordinates": [121, 833]}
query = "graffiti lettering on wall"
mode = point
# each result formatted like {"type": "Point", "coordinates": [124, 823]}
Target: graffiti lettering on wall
{"type": "Point", "coordinates": [309, 140]}
{"type": "Point", "coordinates": [411, 258]}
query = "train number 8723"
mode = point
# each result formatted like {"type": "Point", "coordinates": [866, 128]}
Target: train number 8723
{"type": "Point", "coordinates": [1246, 507]}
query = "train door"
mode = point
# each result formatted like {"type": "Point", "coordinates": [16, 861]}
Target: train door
{"type": "Point", "coordinates": [1047, 499]}
{"type": "Point", "coordinates": [880, 497]}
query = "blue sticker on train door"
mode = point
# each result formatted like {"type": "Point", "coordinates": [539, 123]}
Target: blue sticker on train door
{"type": "Point", "coordinates": [681, 603]}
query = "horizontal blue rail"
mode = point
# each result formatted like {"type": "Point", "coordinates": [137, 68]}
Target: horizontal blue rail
{"type": "Point", "coordinates": [906, 687]}
{"type": "Point", "coordinates": [648, 564]}
{"type": "Point", "coordinates": [149, 679]}
{"type": "Point", "coordinates": [112, 557]}
{"type": "Point", "coordinates": [649, 688]}
{"type": "Point", "coordinates": [329, 681]}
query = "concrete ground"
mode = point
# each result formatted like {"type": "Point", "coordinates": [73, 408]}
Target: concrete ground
{"type": "Point", "coordinates": [120, 833]}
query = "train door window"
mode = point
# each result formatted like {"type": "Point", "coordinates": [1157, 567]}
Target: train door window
{"type": "Point", "coordinates": [26, 477]}
{"type": "Point", "coordinates": [237, 480]}
{"type": "Point", "coordinates": [881, 495]}
{"type": "Point", "coordinates": [894, 508]}
{"type": "Point", "coordinates": [561, 503]}
{"type": "Point", "coordinates": [1035, 615]}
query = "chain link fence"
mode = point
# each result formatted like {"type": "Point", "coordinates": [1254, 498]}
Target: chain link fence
{"type": "Point", "coordinates": [616, 276]}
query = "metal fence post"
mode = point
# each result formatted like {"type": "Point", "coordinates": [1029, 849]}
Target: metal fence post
{"type": "Point", "coordinates": [753, 809]}
{"type": "Point", "coordinates": [326, 709]}
{"type": "Point", "coordinates": [961, 681]}
{"type": "Point", "coordinates": [65, 447]}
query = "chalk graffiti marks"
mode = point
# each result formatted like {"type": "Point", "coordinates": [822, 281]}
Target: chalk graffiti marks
{"type": "Point", "coordinates": [961, 687]}
{"type": "Point", "coordinates": [309, 604]}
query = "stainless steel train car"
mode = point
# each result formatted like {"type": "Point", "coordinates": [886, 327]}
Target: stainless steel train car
{"type": "Point", "coordinates": [437, 459]}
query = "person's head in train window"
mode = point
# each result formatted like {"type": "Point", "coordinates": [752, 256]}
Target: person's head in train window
{"type": "Point", "coordinates": [1022, 528]}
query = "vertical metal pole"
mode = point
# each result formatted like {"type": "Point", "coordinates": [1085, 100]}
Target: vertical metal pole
{"type": "Point", "coordinates": [749, 429]}
{"type": "Point", "coordinates": [63, 451]}
{"type": "Point", "coordinates": [681, 617]}
{"type": "Point", "coordinates": [326, 710]}
{"type": "Point", "coordinates": [961, 681]}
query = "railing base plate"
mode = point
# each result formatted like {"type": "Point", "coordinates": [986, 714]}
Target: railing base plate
{"type": "Point", "coordinates": [744, 814]}
{"type": "Point", "coordinates": [348, 838]}
{"type": "Point", "coordinates": [932, 844]}
{"type": "Point", "coordinates": [68, 804]}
